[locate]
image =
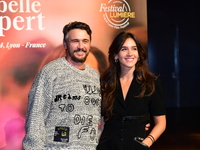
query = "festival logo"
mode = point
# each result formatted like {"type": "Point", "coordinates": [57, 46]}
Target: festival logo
{"type": "Point", "coordinates": [117, 13]}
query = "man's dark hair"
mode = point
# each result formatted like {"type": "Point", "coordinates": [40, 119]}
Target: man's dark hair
{"type": "Point", "coordinates": [76, 25]}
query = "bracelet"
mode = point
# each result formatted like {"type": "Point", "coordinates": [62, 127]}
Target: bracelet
{"type": "Point", "coordinates": [151, 138]}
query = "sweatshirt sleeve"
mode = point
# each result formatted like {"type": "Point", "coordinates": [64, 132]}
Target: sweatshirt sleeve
{"type": "Point", "coordinates": [38, 103]}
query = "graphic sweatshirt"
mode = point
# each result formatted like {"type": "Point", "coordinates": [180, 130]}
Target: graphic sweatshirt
{"type": "Point", "coordinates": [63, 108]}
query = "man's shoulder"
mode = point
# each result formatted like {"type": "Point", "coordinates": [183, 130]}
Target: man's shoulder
{"type": "Point", "coordinates": [56, 61]}
{"type": "Point", "coordinates": [53, 63]}
{"type": "Point", "coordinates": [92, 70]}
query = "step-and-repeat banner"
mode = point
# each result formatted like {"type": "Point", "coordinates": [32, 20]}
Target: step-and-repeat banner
{"type": "Point", "coordinates": [31, 36]}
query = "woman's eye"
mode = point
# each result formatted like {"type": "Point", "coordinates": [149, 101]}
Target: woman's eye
{"type": "Point", "coordinates": [123, 49]}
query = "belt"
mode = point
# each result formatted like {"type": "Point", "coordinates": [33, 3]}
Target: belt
{"type": "Point", "coordinates": [123, 118]}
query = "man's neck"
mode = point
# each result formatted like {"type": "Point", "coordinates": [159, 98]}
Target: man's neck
{"type": "Point", "coordinates": [78, 65]}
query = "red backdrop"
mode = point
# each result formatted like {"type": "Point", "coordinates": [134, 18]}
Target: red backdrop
{"type": "Point", "coordinates": [31, 36]}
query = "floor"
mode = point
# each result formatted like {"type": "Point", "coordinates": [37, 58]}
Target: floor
{"type": "Point", "coordinates": [183, 130]}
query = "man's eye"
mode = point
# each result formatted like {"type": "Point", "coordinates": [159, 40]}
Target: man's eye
{"type": "Point", "coordinates": [74, 41]}
{"type": "Point", "coordinates": [85, 41]}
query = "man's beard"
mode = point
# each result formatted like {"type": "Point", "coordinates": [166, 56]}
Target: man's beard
{"type": "Point", "coordinates": [75, 59]}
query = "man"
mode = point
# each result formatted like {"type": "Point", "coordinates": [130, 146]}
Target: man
{"type": "Point", "coordinates": [64, 101]}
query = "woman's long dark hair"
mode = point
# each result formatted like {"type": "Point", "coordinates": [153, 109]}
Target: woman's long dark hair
{"type": "Point", "coordinates": [109, 79]}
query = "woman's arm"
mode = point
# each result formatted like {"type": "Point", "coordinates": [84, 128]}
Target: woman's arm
{"type": "Point", "coordinates": [158, 129]}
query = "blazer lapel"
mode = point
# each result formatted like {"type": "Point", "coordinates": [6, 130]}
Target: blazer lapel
{"type": "Point", "coordinates": [119, 94]}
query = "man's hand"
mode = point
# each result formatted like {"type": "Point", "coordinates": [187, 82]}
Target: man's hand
{"type": "Point", "coordinates": [147, 126]}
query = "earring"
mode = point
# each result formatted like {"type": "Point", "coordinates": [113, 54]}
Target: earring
{"type": "Point", "coordinates": [116, 60]}
{"type": "Point", "coordinates": [138, 58]}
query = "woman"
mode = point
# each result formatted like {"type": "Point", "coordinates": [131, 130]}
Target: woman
{"type": "Point", "coordinates": [131, 93]}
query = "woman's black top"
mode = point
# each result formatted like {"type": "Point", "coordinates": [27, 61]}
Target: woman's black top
{"type": "Point", "coordinates": [130, 118]}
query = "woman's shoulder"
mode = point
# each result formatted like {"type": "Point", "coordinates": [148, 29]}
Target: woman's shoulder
{"type": "Point", "coordinates": [157, 80]}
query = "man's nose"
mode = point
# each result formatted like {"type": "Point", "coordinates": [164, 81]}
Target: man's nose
{"type": "Point", "coordinates": [80, 45]}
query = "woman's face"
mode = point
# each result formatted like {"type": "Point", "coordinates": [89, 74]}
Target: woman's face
{"type": "Point", "coordinates": [128, 54]}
